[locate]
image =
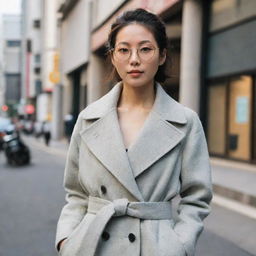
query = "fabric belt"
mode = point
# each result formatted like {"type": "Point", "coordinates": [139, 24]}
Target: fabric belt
{"type": "Point", "coordinates": [105, 210]}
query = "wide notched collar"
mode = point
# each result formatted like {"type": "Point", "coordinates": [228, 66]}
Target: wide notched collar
{"type": "Point", "coordinates": [157, 136]}
{"type": "Point", "coordinates": [164, 105]}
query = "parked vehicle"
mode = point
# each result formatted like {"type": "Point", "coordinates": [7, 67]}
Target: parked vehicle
{"type": "Point", "coordinates": [16, 152]}
{"type": "Point", "coordinates": [6, 127]}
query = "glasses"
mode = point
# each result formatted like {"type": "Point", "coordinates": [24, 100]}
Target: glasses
{"type": "Point", "coordinates": [145, 53]}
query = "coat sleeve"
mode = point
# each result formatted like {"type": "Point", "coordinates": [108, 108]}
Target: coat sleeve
{"type": "Point", "coordinates": [196, 186]}
{"type": "Point", "coordinates": [76, 196]}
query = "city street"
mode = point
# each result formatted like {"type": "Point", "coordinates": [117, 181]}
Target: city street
{"type": "Point", "coordinates": [31, 199]}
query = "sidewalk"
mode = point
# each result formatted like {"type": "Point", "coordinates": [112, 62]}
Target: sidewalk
{"type": "Point", "coordinates": [237, 182]}
{"type": "Point", "coordinates": [58, 147]}
{"type": "Point", "coordinates": [234, 183]}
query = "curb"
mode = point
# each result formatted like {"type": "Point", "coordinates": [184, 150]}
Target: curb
{"type": "Point", "coordinates": [235, 206]}
{"type": "Point", "coordinates": [233, 194]}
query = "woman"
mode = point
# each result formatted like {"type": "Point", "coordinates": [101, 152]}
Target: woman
{"type": "Point", "coordinates": [119, 201]}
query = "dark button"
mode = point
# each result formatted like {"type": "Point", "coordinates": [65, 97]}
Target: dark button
{"type": "Point", "coordinates": [105, 236]}
{"type": "Point", "coordinates": [103, 189]}
{"type": "Point", "coordinates": [131, 237]}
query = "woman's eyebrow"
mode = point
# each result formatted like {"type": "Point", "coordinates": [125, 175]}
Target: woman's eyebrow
{"type": "Point", "coordinates": [123, 43]}
{"type": "Point", "coordinates": [144, 41]}
{"type": "Point", "coordinates": [140, 43]}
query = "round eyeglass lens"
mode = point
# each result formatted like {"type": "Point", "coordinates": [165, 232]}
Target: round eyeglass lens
{"type": "Point", "coordinates": [124, 53]}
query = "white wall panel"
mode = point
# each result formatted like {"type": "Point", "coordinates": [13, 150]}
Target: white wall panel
{"type": "Point", "coordinates": [75, 35]}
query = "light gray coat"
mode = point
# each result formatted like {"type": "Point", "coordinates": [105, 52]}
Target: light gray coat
{"type": "Point", "coordinates": [169, 157]}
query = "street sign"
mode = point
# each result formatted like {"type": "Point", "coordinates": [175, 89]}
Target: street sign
{"type": "Point", "coordinates": [30, 109]}
{"type": "Point", "coordinates": [54, 76]}
{"type": "Point", "coordinates": [5, 108]}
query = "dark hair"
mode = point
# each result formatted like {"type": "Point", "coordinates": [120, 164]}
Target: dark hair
{"type": "Point", "coordinates": [151, 22]}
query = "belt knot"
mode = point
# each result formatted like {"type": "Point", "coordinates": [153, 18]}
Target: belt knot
{"type": "Point", "coordinates": [120, 206]}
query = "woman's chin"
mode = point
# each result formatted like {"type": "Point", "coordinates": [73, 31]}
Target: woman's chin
{"type": "Point", "coordinates": [136, 83]}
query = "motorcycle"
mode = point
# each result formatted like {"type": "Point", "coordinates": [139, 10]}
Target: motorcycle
{"type": "Point", "coordinates": [16, 152]}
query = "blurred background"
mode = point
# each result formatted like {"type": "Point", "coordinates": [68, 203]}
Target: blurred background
{"type": "Point", "coordinates": [53, 64]}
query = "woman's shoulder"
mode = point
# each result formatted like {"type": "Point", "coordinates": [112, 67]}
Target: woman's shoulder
{"type": "Point", "coordinates": [102, 105]}
{"type": "Point", "coordinates": [193, 119]}
{"type": "Point", "coordinates": [190, 115]}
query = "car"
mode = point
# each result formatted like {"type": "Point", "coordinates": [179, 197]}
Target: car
{"type": "Point", "coordinates": [6, 127]}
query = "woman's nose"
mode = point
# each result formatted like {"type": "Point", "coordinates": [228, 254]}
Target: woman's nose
{"type": "Point", "coordinates": [134, 58]}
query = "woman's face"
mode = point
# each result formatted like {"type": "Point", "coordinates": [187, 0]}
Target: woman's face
{"type": "Point", "coordinates": [136, 56]}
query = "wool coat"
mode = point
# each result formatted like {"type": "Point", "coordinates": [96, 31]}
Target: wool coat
{"type": "Point", "coordinates": [120, 203]}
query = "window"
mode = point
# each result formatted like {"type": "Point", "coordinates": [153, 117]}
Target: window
{"type": "Point", "coordinates": [37, 58]}
{"type": "Point", "coordinates": [13, 43]}
{"type": "Point", "coordinates": [225, 13]}
{"type": "Point", "coordinates": [38, 86]}
{"type": "Point", "coordinates": [37, 70]}
{"type": "Point", "coordinates": [29, 45]}
{"type": "Point", "coordinates": [230, 117]}
{"type": "Point", "coordinates": [36, 23]}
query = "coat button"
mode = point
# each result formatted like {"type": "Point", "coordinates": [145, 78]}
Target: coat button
{"type": "Point", "coordinates": [105, 236]}
{"type": "Point", "coordinates": [131, 237]}
{"type": "Point", "coordinates": [103, 189]}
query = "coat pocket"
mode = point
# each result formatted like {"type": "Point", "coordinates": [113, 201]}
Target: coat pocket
{"type": "Point", "coordinates": [73, 242]}
{"type": "Point", "coordinates": [177, 237]}
{"type": "Point", "coordinates": [169, 242]}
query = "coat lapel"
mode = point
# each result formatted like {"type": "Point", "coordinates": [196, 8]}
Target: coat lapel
{"type": "Point", "coordinates": [104, 139]}
{"type": "Point", "coordinates": [156, 139]}
{"type": "Point", "coordinates": [159, 135]}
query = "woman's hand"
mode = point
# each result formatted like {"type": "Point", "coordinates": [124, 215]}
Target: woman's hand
{"type": "Point", "coordinates": [61, 243]}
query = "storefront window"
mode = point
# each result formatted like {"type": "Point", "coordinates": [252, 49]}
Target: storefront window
{"type": "Point", "coordinates": [225, 13]}
{"type": "Point", "coordinates": [239, 118]}
{"type": "Point", "coordinates": [217, 118]}
{"type": "Point", "coordinates": [230, 118]}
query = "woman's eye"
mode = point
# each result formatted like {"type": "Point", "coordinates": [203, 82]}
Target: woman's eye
{"type": "Point", "coordinates": [123, 50]}
{"type": "Point", "coordinates": [146, 49]}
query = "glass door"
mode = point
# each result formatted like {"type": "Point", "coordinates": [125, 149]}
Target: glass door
{"type": "Point", "coordinates": [239, 118]}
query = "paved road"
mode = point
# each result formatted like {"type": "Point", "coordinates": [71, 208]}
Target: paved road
{"type": "Point", "coordinates": [31, 199]}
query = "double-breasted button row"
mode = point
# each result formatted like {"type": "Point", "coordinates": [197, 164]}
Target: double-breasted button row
{"type": "Point", "coordinates": [105, 236]}
{"type": "Point", "coordinates": [131, 237]}
{"type": "Point", "coordinates": [103, 189]}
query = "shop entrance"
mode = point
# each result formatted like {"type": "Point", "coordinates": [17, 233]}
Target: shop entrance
{"type": "Point", "coordinates": [231, 129]}
{"type": "Point", "coordinates": [239, 118]}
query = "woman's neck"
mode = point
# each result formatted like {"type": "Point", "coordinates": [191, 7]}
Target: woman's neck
{"type": "Point", "coordinates": [137, 97]}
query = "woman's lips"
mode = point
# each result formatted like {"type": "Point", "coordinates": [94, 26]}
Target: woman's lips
{"type": "Point", "coordinates": [135, 73]}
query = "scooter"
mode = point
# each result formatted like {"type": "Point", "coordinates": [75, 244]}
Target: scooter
{"type": "Point", "coordinates": [16, 152]}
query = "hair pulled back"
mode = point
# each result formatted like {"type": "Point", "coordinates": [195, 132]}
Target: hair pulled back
{"type": "Point", "coordinates": [149, 20]}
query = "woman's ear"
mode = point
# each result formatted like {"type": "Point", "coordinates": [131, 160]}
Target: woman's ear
{"type": "Point", "coordinates": [162, 57]}
{"type": "Point", "coordinates": [112, 59]}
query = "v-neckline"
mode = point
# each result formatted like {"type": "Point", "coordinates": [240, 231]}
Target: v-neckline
{"type": "Point", "coordinates": [140, 131]}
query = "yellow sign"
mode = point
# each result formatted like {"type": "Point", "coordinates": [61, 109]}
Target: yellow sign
{"type": "Point", "coordinates": [54, 76]}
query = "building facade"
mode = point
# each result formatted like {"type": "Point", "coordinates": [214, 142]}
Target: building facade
{"type": "Point", "coordinates": [31, 56]}
{"type": "Point", "coordinates": [40, 59]}
{"type": "Point", "coordinates": [2, 89]}
{"type": "Point", "coordinates": [74, 38]}
{"type": "Point", "coordinates": [11, 66]}
{"type": "Point", "coordinates": [230, 79]}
